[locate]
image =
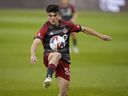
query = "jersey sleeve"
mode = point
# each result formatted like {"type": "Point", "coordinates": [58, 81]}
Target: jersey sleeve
{"type": "Point", "coordinates": [41, 33]}
{"type": "Point", "coordinates": [74, 27]}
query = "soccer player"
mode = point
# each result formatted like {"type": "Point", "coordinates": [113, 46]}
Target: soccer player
{"type": "Point", "coordinates": [68, 13]}
{"type": "Point", "coordinates": [58, 61]}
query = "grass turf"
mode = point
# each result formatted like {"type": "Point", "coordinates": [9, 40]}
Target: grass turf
{"type": "Point", "coordinates": [100, 69]}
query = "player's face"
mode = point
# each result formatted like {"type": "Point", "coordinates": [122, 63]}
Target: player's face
{"type": "Point", "coordinates": [53, 18]}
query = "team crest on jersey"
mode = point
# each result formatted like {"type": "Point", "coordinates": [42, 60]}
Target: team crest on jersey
{"type": "Point", "coordinates": [65, 30]}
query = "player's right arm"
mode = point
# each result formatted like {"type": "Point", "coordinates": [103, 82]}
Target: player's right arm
{"type": "Point", "coordinates": [38, 38]}
{"type": "Point", "coordinates": [34, 46]}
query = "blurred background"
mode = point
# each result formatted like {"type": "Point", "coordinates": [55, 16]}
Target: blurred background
{"type": "Point", "coordinates": [81, 4]}
{"type": "Point", "coordinates": [99, 69]}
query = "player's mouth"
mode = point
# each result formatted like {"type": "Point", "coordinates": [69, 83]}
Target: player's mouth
{"type": "Point", "coordinates": [53, 22]}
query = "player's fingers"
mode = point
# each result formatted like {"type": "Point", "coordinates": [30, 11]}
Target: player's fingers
{"type": "Point", "coordinates": [33, 60]}
{"type": "Point", "coordinates": [106, 38]}
{"type": "Point", "coordinates": [109, 39]}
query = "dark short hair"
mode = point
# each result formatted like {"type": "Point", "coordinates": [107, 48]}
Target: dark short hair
{"type": "Point", "coordinates": [52, 8]}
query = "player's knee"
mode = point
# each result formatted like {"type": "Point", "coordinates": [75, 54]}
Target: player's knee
{"type": "Point", "coordinates": [57, 54]}
{"type": "Point", "coordinates": [55, 57]}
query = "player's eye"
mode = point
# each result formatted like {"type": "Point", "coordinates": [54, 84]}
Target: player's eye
{"type": "Point", "coordinates": [52, 15]}
{"type": "Point", "coordinates": [55, 15]}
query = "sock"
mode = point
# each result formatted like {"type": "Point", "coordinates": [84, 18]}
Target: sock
{"type": "Point", "coordinates": [51, 69]}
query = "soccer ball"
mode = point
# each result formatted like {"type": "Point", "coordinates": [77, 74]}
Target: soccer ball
{"type": "Point", "coordinates": [57, 42]}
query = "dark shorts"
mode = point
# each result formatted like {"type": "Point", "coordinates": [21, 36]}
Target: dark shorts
{"type": "Point", "coordinates": [62, 70]}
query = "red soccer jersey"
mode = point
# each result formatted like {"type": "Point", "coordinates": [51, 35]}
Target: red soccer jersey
{"type": "Point", "coordinates": [64, 29]}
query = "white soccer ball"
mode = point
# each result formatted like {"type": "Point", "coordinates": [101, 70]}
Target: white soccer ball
{"type": "Point", "coordinates": [57, 42]}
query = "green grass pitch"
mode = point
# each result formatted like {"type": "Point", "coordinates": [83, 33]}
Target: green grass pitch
{"type": "Point", "coordinates": [100, 69]}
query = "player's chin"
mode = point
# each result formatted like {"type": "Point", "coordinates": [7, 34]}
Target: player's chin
{"type": "Point", "coordinates": [52, 22]}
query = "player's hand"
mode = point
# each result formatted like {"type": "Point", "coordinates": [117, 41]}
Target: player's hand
{"type": "Point", "coordinates": [106, 38]}
{"type": "Point", "coordinates": [33, 59]}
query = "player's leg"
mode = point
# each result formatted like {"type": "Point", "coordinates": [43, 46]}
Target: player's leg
{"type": "Point", "coordinates": [63, 77]}
{"type": "Point", "coordinates": [74, 41]}
{"type": "Point", "coordinates": [53, 60]}
{"type": "Point", "coordinates": [63, 86]}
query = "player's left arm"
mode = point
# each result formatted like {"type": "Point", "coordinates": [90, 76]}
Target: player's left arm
{"type": "Point", "coordinates": [90, 31]}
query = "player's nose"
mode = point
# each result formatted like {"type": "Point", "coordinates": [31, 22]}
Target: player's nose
{"type": "Point", "coordinates": [52, 17]}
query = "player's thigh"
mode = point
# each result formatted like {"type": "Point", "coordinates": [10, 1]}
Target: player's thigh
{"type": "Point", "coordinates": [50, 56]}
{"type": "Point", "coordinates": [54, 58]}
{"type": "Point", "coordinates": [54, 54]}
{"type": "Point", "coordinates": [63, 84]}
